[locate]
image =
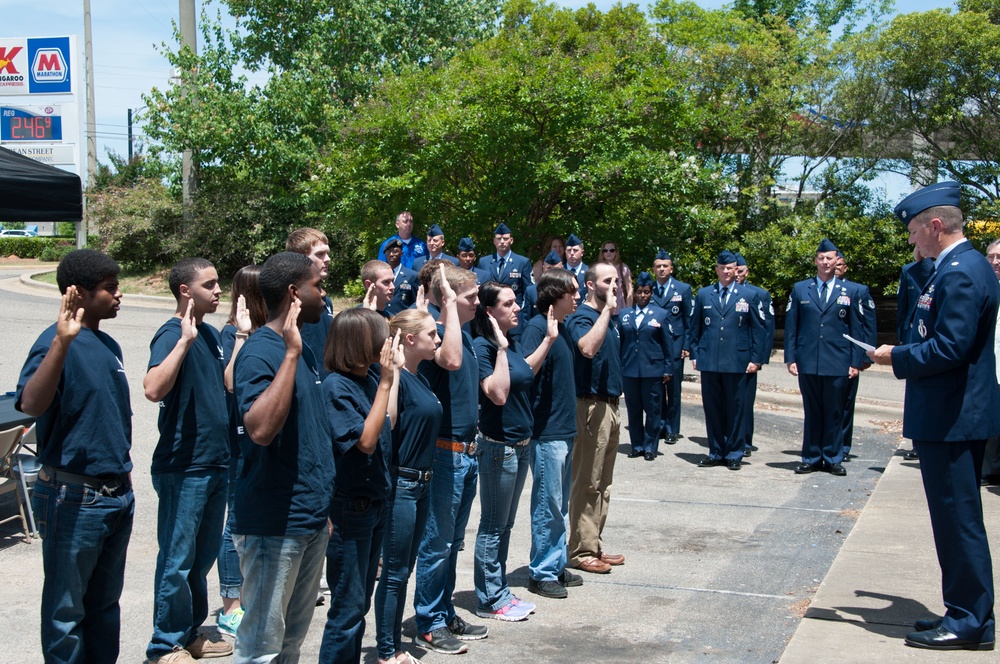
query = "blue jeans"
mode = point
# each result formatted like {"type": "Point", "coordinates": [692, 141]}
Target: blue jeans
{"type": "Point", "coordinates": [405, 527]}
{"type": "Point", "coordinates": [453, 488]}
{"type": "Point", "coordinates": [351, 565]}
{"type": "Point", "coordinates": [550, 471]}
{"type": "Point", "coordinates": [280, 581]}
{"type": "Point", "coordinates": [230, 579]}
{"type": "Point", "coordinates": [502, 471]}
{"type": "Point", "coordinates": [85, 536]}
{"type": "Point", "coordinates": [192, 509]}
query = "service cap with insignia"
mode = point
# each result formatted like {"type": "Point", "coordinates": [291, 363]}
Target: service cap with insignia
{"type": "Point", "coordinates": [466, 244]}
{"type": "Point", "coordinates": [941, 193]}
{"type": "Point", "coordinates": [434, 231]}
{"type": "Point", "coordinates": [662, 255]}
{"type": "Point", "coordinates": [726, 257]}
{"type": "Point", "coordinates": [502, 229]}
{"type": "Point", "coordinates": [825, 246]}
{"type": "Point", "coordinates": [644, 279]}
{"type": "Point", "coordinates": [573, 241]}
{"type": "Point", "coordinates": [553, 258]}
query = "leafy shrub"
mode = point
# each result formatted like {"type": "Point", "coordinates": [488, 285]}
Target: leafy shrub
{"type": "Point", "coordinates": [55, 252]}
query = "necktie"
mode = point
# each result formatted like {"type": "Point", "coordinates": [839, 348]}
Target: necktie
{"type": "Point", "coordinates": [500, 269]}
{"type": "Point", "coordinates": [660, 290]}
{"type": "Point", "coordinates": [824, 293]}
{"type": "Point", "coordinates": [725, 295]}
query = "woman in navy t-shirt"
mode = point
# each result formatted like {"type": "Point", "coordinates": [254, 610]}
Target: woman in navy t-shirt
{"type": "Point", "coordinates": [247, 313]}
{"type": "Point", "coordinates": [505, 425]}
{"type": "Point", "coordinates": [413, 437]}
{"type": "Point", "coordinates": [360, 395]}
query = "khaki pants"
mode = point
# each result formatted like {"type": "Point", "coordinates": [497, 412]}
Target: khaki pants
{"type": "Point", "coordinates": [598, 425]}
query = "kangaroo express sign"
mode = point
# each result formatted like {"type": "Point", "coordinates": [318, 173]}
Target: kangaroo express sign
{"type": "Point", "coordinates": [36, 66]}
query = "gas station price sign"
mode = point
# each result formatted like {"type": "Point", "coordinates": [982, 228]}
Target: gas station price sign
{"type": "Point", "coordinates": [30, 123]}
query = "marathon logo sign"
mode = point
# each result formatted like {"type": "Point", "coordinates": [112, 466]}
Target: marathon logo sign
{"type": "Point", "coordinates": [36, 66]}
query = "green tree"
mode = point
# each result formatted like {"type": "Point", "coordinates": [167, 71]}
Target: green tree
{"type": "Point", "coordinates": [566, 121]}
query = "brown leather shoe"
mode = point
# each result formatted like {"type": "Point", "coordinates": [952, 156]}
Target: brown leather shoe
{"type": "Point", "coordinates": [614, 559]}
{"type": "Point", "coordinates": [594, 566]}
{"type": "Point", "coordinates": [206, 648]}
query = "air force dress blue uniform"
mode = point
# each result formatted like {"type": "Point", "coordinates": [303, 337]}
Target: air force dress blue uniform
{"type": "Point", "coordinates": [419, 261]}
{"type": "Point", "coordinates": [675, 298]}
{"type": "Point", "coordinates": [859, 293]}
{"type": "Point", "coordinates": [646, 352]}
{"type": "Point", "coordinates": [952, 399]}
{"type": "Point", "coordinates": [814, 340]}
{"type": "Point", "coordinates": [512, 270]}
{"type": "Point", "coordinates": [405, 295]}
{"type": "Point", "coordinates": [727, 334]}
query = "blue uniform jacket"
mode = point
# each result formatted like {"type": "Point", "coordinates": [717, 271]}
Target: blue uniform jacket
{"type": "Point", "coordinates": [482, 276]}
{"type": "Point", "coordinates": [861, 294]}
{"type": "Point", "coordinates": [411, 250]}
{"type": "Point", "coordinates": [814, 331]}
{"type": "Point", "coordinates": [419, 261]}
{"type": "Point", "coordinates": [911, 282]}
{"type": "Point", "coordinates": [529, 309]}
{"type": "Point", "coordinates": [581, 278]}
{"type": "Point", "coordinates": [516, 272]}
{"type": "Point", "coordinates": [947, 357]}
{"type": "Point", "coordinates": [676, 301]}
{"type": "Point", "coordinates": [727, 338]}
{"type": "Point", "coordinates": [646, 349]}
{"type": "Point", "coordinates": [767, 308]}
{"type": "Point", "coordinates": [406, 291]}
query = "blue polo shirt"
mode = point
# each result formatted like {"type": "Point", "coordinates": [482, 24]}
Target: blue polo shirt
{"type": "Point", "coordinates": [601, 374]}
{"type": "Point", "coordinates": [87, 429]}
{"type": "Point", "coordinates": [553, 392]}
{"type": "Point", "coordinates": [349, 399]}
{"type": "Point", "coordinates": [417, 423]}
{"type": "Point", "coordinates": [284, 489]}
{"type": "Point", "coordinates": [457, 391]}
{"type": "Point", "coordinates": [193, 421]}
{"type": "Point", "coordinates": [512, 421]}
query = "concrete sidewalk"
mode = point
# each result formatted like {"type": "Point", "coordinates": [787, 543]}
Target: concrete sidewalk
{"type": "Point", "coordinates": [885, 577]}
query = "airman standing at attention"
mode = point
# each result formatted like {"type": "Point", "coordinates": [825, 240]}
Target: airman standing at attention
{"type": "Point", "coordinates": [820, 312]}
{"type": "Point", "coordinates": [675, 298]}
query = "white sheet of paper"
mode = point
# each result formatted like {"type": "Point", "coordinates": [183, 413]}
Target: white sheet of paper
{"type": "Point", "coordinates": [859, 343]}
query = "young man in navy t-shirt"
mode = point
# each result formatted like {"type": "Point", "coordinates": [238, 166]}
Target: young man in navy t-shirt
{"type": "Point", "coordinates": [190, 470]}
{"type": "Point", "coordinates": [314, 245]}
{"type": "Point", "coordinates": [454, 378]}
{"type": "Point", "coordinates": [74, 383]}
{"type": "Point", "coordinates": [283, 494]}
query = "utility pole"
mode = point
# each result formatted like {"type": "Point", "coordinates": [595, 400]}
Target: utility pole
{"type": "Point", "coordinates": [88, 47]}
{"type": "Point", "coordinates": [130, 135]}
{"type": "Point", "coordinates": [189, 38]}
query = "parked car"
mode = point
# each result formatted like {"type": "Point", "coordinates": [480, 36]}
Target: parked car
{"type": "Point", "coordinates": [16, 232]}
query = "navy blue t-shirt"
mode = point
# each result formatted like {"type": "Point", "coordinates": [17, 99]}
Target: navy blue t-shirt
{"type": "Point", "coordinates": [348, 401]}
{"type": "Point", "coordinates": [554, 390]}
{"type": "Point", "coordinates": [236, 431]}
{"type": "Point", "coordinates": [457, 391]}
{"type": "Point", "coordinates": [601, 374]}
{"type": "Point", "coordinates": [314, 335]}
{"type": "Point", "coordinates": [193, 421]}
{"type": "Point", "coordinates": [87, 429]}
{"type": "Point", "coordinates": [417, 423]}
{"type": "Point", "coordinates": [512, 421]}
{"type": "Point", "coordinates": [284, 488]}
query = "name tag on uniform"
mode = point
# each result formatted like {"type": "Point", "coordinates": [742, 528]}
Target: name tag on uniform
{"type": "Point", "coordinates": [803, 301]}
{"type": "Point", "coordinates": [707, 306]}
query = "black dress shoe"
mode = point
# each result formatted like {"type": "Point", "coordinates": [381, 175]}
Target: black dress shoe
{"type": "Point", "coordinates": [911, 455]}
{"type": "Point", "coordinates": [635, 454]}
{"type": "Point", "coordinates": [650, 456]}
{"type": "Point", "coordinates": [848, 456]}
{"type": "Point", "coordinates": [989, 480]}
{"type": "Point", "coordinates": [836, 469]}
{"type": "Point", "coordinates": [941, 639]}
{"type": "Point", "coordinates": [708, 462]}
{"type": "Point", "coordinates": [734, 464]}
{"type": "Point", "coordinates": [670, 439]}
{"type": "Point", "coordinates": [747, 452]}
{"type": "Point", "coordinates": [805, 469]}
{"type": "Point", "coordinates": [927, 623]}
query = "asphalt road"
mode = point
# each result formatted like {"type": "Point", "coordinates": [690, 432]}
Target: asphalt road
{"type": "Point", "coordinates": [720, 564]}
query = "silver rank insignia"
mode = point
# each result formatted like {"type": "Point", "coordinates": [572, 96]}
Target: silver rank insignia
{"type": "Point", "coordinates": [922, 329]}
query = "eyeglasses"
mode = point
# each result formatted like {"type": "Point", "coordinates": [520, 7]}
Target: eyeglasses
{"type": "Point", "coordinates": [609, 250]}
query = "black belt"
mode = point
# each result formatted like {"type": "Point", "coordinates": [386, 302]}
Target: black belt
{"type": "Point", "coordinates": [601, 397]}
{"type": "Point", "coordinates": [413, 474]}
{"type": "Point", "coordinates": [355, 503]}
{"type": "Point", "coordinates": [107, 486]}
{"type": "Point", "coordinates": [509, 443]}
